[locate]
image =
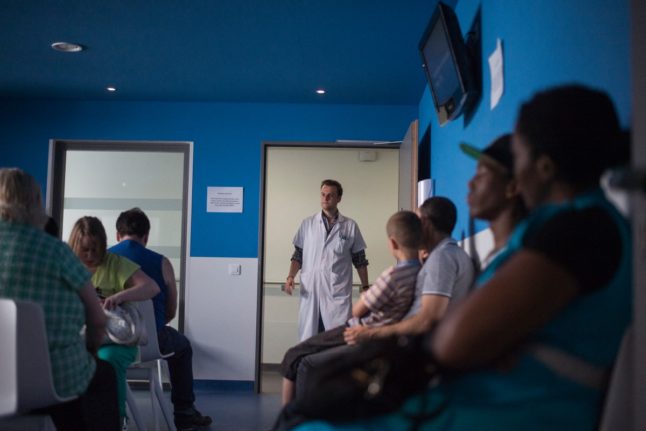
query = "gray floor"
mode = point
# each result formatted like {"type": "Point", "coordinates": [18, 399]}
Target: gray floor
{"type": "Point", "coordinates": [230, 410]}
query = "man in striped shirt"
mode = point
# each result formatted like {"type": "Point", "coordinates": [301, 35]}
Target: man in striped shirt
{"type": "Point", "coordinates": [387, 301]}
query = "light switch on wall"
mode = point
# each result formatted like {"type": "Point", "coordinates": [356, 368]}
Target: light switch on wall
{"type": "Point", "coordinates": [235, 269]}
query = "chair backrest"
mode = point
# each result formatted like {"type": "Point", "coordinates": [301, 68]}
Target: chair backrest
{"type": "Point", "coordinates": [34, 383]}
{"type": "Point", "coordinates": [150, 350]}
{"type": "Point", "coordinates": [8, 369]}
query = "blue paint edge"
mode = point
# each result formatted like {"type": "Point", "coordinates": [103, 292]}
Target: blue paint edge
{"type": "Point", "coordinates": [224, 385]}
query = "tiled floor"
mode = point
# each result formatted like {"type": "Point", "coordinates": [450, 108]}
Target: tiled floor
{"type": "Point", "coordinates": [230, 410]}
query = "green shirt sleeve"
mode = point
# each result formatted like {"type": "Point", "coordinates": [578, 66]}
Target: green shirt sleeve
{"type": "Point", "coordinates": [112, 274]}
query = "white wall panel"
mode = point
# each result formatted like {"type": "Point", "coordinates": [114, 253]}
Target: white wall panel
{"type": "Point", "coordinates": [220, 318]}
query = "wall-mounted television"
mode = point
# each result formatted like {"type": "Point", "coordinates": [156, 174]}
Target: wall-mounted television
{"type": "Point", "coordinates": [447, 64]}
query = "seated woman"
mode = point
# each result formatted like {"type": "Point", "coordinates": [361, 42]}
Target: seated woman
{"type": "Point", "coordinates": [118, 280]}
{"type": "Point", "coordinates": [563, 288]}
{"type": "Point", "coordinates": [36, 267]}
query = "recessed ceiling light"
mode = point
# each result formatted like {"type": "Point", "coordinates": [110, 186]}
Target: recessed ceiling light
{"type": "Point", "coordinates": [67, 47]}
{"type": "Point", "coordinates": [320, 91]}
{"type": "Point", "coordinates": [111, 89]}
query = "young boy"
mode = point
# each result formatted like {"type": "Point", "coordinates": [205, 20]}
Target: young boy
{"type": "Point", "coordinates": [386, 301]}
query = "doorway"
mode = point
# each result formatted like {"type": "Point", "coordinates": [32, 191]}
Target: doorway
{"type": "Point", "coordinates": [291, 182]}
{"type": "Point", "coordinates": [102, 179]}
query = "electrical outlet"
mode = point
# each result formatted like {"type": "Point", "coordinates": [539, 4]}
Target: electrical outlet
{"type": "Point", "coordinates": [235, 269]}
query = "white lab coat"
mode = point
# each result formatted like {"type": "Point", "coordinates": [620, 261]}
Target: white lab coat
{"type": "Point", "coordinates": [326, 272]}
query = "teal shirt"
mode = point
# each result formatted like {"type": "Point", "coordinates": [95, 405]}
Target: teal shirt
{"type": "Point", "coordinates": [36, 267]}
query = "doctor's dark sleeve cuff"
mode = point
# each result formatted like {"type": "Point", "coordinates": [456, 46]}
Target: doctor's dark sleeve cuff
{"type": "Point", "coordinates": [359, 259]}
{"type": "Point", "coordinates": [298, 255]}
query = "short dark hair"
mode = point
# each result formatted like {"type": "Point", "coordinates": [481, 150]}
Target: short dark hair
{"type": "Point", "coordinates": [441, 212]}
{"type": "Point", "coordinates": [333, 183]}
{"type": "Point", "coordinates": [406, 228]}
{"type": "Point", "coordinates": [576, 127]}
{"type": "Point", "coordinates": [133, 222]}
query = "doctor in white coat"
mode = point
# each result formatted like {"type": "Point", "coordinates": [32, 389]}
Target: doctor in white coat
{"type": "Point", "coordinates": [327, 244]}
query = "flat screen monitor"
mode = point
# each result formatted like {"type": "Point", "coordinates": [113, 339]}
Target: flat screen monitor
{"type": "Point", "coordinates": [446, 63]}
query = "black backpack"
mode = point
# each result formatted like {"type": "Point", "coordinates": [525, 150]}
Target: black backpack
{"type": "Point", "coordinates": [371, 380]}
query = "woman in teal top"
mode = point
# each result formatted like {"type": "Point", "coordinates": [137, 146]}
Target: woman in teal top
{"type": "Point", "coordinates": [565, 283]}
{"type": "Point", "coordinates": [118, 280]}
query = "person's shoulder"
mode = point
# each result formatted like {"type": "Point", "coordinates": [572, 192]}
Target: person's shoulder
{"type": "Point", "coordinates": [448, 252]}
{"type": "Point", "coordinates": [562, 225]}
{"type": "Point", "coordinates": [115, 259]}
{"type": "Point", "coordinates": [117, 248]}
{"type": "Point", "coordinates": [346, 219]}
{"type": "Point", "coordinates": [40, 239]}
{"type": "Point", "coordinates": [447, 247]}
{"type": "Point", "coordinates": [310, 219]}
{"type": "Point", "coordinates": [389, 271]}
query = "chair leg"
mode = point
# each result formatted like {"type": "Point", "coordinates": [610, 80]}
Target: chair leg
{"type": "Point", "coordinates": [134, 411]}
{"type": "Point", "coordinates": [152, 386]}
{"type": "Point", "coordinates": [163, 402]}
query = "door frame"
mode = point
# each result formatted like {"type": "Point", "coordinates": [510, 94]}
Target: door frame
{"type": "Point", "coordinates": [265, 146]}
{"type": "Point", "coordinates": [56, 181]}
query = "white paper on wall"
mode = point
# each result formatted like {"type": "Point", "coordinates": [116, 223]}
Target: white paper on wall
{"type": "Point", "coordinates": [496, 70]}
{"type": "Point", "coordinates": [425, 190]}
{"type": "Point", "coordinates": [224, 199]}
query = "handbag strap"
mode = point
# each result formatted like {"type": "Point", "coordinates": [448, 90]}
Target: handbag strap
{"type": "Point", "coordinates": [570, 366]}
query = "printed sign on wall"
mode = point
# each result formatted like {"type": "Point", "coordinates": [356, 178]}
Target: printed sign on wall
{"type": "Point", "coordinates": [224, 199]}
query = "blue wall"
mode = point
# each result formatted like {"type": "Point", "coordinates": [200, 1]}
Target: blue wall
{"type": "Point", "coordinates": [545, 43]}
{"type": "Point", "coordinates": [227, 145]}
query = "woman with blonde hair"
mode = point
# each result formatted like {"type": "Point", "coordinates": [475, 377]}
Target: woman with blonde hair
{"type": "Point", "coordinates": [117, 280]}
{"type": "Point", "coordinates": [37, 267]}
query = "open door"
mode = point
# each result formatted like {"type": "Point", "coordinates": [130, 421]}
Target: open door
{"type": "Point", "coordinates": [408, 168]}
{"type": "Point", "coordinates": [638, 211]}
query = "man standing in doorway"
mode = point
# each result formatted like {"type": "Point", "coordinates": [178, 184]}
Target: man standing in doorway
{"type": "Point", "coordinates": [327, 244]}
{"type": "Point", "coordinates": [133, 228]}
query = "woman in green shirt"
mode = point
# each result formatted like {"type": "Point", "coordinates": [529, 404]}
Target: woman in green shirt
{"type": "Point", "coordinates": [117, 279]}
{"type": "Point", "coordinates": [38, 268]}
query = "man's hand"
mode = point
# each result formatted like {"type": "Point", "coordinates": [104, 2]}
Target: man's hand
{"type": "Point", "coordinates": [357, 334]}
{"type": "Point", "coordinates": [289, 285]}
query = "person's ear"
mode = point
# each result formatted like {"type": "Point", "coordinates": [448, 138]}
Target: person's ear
{"type": "Point", "coordinates": [393, 243]}
{"type": "Point", "coordinates": [118, 237]}
{"type": "Point", "coordinates": [145, 239]}
{"type": "Point", "coordinates": [511, 189]}
{"type": "Point", "coordinates": [545, 168]}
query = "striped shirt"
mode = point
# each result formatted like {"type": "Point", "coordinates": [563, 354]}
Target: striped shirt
{"type": "Point", "coordinates": [37, 267]}
{"type": "Point", "coordinates": [391, 296]}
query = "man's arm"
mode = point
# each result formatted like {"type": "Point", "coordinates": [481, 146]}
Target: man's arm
{"type": "Point", "coordinates": [360, 309]}
{"type": "Point", "coordinates": [363, 276]}
{"type": "Point", "coordinates": [432, 309]}
{"type": "Point", "coordinates": [171, 289]}
{"type": "Point", "coordinates": [94, 318]}
{"type": "Point", "coordinates": [294, 267]}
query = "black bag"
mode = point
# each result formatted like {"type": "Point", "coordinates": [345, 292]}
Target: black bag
{"type": "Point", "coordinates": [374, 379]}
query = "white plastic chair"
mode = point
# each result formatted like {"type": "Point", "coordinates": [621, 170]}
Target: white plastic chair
{"type": "Point", "coordinates": [618, 406]}
{"type": "Point", "coordinates": [26, 380]}
{"type": "Point", "coordinates": [150, 359]}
